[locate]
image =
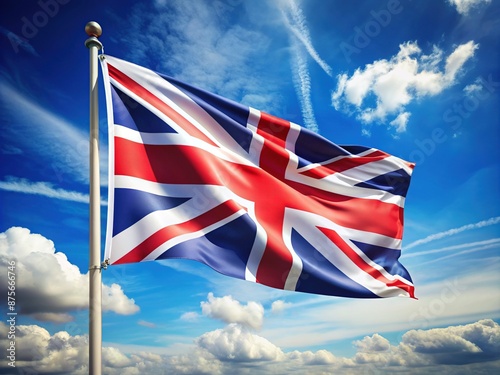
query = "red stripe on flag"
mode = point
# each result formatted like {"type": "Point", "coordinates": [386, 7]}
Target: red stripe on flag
{"type": "Point", "coordinates": [365, 267]}
{"type": "Point", "coordinates": [156, 102]}
{"type": "Point", "coordinates": [165, 163]}
{"type": "Point", "coordinates": [273, 129]}
{"type": "Point", "coordinates": [276, 260]}
{"type": "Point", "coordinates": [358, 213]}
{"type": "Point", "coordinates": [343, 164]}
{"type": "Point", "coordinates": [206, 219]}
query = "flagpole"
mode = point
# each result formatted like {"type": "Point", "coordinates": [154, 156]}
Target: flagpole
{"type": "Point", "coordinates": [93, 30]}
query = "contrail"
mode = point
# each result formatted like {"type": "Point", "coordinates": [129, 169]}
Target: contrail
{"type": "Point", "coordinates": [483, 244]}
{"type": "Point", "coordinates": [468, 251]}
{"type": "Point", "coordinates": [46, 189]}
{"type": "Point", "coordinates": [303, 87]}
{"type": "Point", "coordinates": [295, 20]}
{"type": "Point", "coordinates": [451, 232]}
{"type": "Point", "coordinates": [299, 29]}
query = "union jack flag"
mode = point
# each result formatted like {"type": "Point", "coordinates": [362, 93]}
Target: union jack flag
{"type": "Point", "coordinates": [197, 176]}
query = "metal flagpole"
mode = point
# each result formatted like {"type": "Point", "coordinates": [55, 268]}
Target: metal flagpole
{"type": "Point", "coordinates": [93, 30]}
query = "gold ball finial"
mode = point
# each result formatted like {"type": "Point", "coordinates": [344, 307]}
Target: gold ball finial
{"type": "Point", "coordinates": [92, 28]}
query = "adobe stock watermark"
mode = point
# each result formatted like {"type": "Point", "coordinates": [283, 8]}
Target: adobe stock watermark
{"type": "Point", "coordinates": [470, 103]}
{"type": "Point", "coordinates": [12, 312]}
{"type": "Point", "coordinates": [437, 307]}
{"type": "Point", "coordinates": [31, 25]}
{"type": "Point", "coordinates": [454, 117]}
{"type": "Point", "coordinates": [363, 35]}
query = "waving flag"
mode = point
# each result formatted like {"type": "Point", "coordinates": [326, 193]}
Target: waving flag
{"type": "Point", "coordinates": [197, 176]}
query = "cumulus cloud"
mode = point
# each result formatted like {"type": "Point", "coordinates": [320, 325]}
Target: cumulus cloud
{"type": "Point", "coordinates": [455, 345]}
{"type": "Point", "coordinates": [37, 351]}
{"type": "Point", "coordinates": [236, 350]}
{"type": "Point", "coordinates": [59, 353]}
{"type": "Point", "coordinates": [465, 6]}
{"type": "Point", "coordinates": [375, 349]}
{"type": "Point", "coordinates": [469, 343]}
{"type": "Point", "coordinates": [236, 343]}
{"type": "Point", "coordinates": [51, 287]}
{"type": "Point", "coordinates": [321, 362]}
{"type": "Point", "coordinates": [375, 343]}
{"type": "Point", "coordinates": [229, 310]}
{"type": "Point", "coordinates": [382, 90]}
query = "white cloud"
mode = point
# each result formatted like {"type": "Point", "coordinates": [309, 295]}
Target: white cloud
{"type": "Point", "coordinates": [400, 122]}
{"type": "Point", "coordinates": [375, 343]}
{"type": "Point", "coordinates": [321, 358]}
{"type": "Point", "coordinates": [456, 298]}
{"type": "Point", "coordinates": [457, 59]}
{"type": "Point", "coordinates": [39, 352]}
{"type": "Point", "coordinates": [384, 88]}
{"type": "Point", "coordinates": [190, 316]}
{"type": "Point", "coordinates": [51, 287]}
{"type": "Point", "coordinates": [420, 349]}
{"type": "Point", "coordinates": [465, 6]}
{"type": "Point", "coordinates": [58, 353]}
{"type": "Point", "coordinates": [197, 361]}
{"type": "Point", "coordinates": [457, 344]}
{"type": "Point", "coordinates": [229, 310]}
{"type": "Point", "coordinates": [454, 231]}
{"type": "Point", "coordinates": [473, 88]}
{"type": "Point", "coordinates": [235, 343]}
{"type": "Point", "coordinates": [235, 350]}
{"type": "Point", "coordinates": [279, 306]}
{"type": "Point", "coordinates": [112, 357]}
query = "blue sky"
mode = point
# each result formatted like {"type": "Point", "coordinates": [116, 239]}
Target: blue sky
{"type": "Point", "coordinates": [419, 80]}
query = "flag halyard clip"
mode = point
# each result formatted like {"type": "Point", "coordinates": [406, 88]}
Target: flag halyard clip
{"type": "Point", "coordinates": [104, 266]}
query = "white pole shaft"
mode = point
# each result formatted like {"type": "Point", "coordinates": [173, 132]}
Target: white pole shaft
{"type": "Point", "coordinates": [95, 282]}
